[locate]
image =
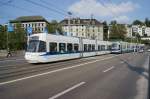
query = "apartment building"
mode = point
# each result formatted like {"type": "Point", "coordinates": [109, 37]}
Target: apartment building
{"type": "Point", "coordinates": [37, 23]}
{"type": "Point", "coordinates": [85, 28]}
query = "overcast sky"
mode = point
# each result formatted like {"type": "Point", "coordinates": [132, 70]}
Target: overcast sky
{"type": "Point", "coordinates": [124, 11]}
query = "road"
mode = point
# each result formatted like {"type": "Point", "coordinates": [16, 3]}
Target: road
{"type": "Point", "coordinates": [122, 76]}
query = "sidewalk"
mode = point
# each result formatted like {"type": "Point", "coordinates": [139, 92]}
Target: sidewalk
{"type": "Point", "coordinates": [15, 55]}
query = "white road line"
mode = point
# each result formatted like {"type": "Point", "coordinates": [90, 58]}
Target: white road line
{"type": "Point", "coordinates": [57, 70]}
{"type": "Point", "coordinates": [67, 90]}
{"type": "Point", "coordinates": [122, 62]}
{"type": "Point", "coordinates": [108, 69]}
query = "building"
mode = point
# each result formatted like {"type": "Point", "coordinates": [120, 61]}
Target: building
{"type": "Point", "coordinates": [85, 28]}
{"type": "Point", "coordinates": [138, 29]}
{"type": "Point", "coordinates": [129, 31]}
{"type": "Point", "coordinates": [38, 23]}
{"type": "Point", "coordinates": [147, 31]}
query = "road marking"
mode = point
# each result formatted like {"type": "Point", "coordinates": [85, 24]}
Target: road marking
{"type": "Point", "coordinates": [66, 91]}
{"type": "Point", "coordinates": [122, 62]}
{"type": "Point", "coordinates": [108, 69]}
{"type": "Point", "coordinates": [57, 70]}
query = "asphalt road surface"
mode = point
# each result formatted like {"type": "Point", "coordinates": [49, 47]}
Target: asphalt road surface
{"type": "Point", "coordinates": [122, 76]}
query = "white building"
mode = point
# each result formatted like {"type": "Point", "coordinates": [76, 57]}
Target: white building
{"type": "Point", "coordinates": [147, 31]}
{"type": "Point", "coordinates": [129, 31]}
{"type": "Point", "coordinates": [86, 28]}
{"type": "Point", "coordinates": [38, 23]}
{"type": "Point", "coordinates": [141, 30]}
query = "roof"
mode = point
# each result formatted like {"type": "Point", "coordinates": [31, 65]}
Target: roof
{"type": "Point", "coordinates": [78, 21]}
{"type": "Point", "coordinates": [29, 19]}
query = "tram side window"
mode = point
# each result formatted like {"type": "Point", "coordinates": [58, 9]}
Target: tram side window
{"type": "Point", "coordinates": [53, 47]}
{"type": "Point", "coordinates": [119, 47]}
{"type": "Point", "coordinates": [42, 46]}
{"type": "Point", "coordinates": [93, 47]}
{"type": "Point", "coordinates": [76, 47]}
{"type": "Point", "coordinates": [69, 47]}
{"type": "Point", "coordinates": [62, 47]}
{"type": "Point", "coordinates": [89, 47]}
{"type": "Point", "coordinates": [109, 47]}
{"type": "Point", "coordinates": [85, 48]}
{"type": "Point", "coordinates": [99, 47]}
{"type": "Point", "coordinates": [103, 47]}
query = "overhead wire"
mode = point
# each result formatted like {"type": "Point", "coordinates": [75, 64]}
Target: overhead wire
{"type": "Point", "coordinates": [43, 6]}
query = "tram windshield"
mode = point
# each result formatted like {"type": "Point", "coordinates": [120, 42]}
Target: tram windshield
{"type": "Point", "coordinates": [36, 46]}
{"type": "Point", "coordinates": [115, 46]}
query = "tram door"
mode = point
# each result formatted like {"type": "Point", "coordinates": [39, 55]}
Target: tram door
{"type": "Point", "coordinates": [81, 46]}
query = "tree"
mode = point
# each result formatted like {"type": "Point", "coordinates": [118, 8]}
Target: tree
{"type": "Point", "coordinates": [147, 22]}
{"type": "Point", "coordinates": [118, 32]}
{"type": "Point", "coordinates": [113, 22]}
{"type": "Point", "coordinates": [137, 22]}
{"type": "Point", "coordinates": [3, 37]}
{"type": "Point", "coordinates": [105, 30]}
{"type": "Point", "coordinates": [17, 38]}
{"type": "Point", "coordinates": [54, 26]}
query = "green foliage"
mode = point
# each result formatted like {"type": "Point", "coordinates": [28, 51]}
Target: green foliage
{"type": "Point", "coordinates": [53, 27]}
{"type": "Point", "coordinates": [147, 22]}
{"type": "Point", "coordinates": [147, 42]}
{"type": "Point", "coordinates": [3, 37]}
{"type": "Point", "coordinates": [138, 22]}
{"type": "Point", "coordinates": [16, 39]}
{"type": "Point", "coordinates": [105, 30]}
{"type": "Point", "coordinates": [117, 31]}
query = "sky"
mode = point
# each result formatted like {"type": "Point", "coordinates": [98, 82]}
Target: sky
{"type": "Point", "coordinates": [124, 11]}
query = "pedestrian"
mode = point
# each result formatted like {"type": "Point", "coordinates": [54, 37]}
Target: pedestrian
{"type": "Point", "coordinates": [9, 53]}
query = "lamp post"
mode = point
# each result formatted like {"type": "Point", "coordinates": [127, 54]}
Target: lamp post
{"type": "Point", "coordinates": [69, 19]}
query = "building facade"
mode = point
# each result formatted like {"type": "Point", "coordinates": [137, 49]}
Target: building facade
{"type": "Point", "coordinates": [85, 28]}
{"type": "Point", "coordinates": [37, 23]}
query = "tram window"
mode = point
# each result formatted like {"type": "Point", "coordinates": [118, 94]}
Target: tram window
{"type": "Point", "coordinates": [53, 47]}
{"type": "Point", "coordinates": [42, 46]}
{"type": "Point", "coordinates": [93, 47]}
{"type": "Point", "coordinates": [103, 47]}
{"type": "Point", "coordinates": [85, 47]}
{"type": "Point", "coordinates": [76, 47]}
{"type": "Point", "coordinates": [119, 47]}
{"type": "Point", "coordinates": [69, 47]}
{"type": "Point", "coordinates": [109, 47]}
{"type": "Point", "coordinates": [62, 47]}
{"type": "Point", "coordinates": [99, 47]}
{"type": "Point", "coordinates": [89, 47]}
{"type": "Point", "coordinates": [33, 45]}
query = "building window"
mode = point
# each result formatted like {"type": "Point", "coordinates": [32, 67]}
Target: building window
{"type": "Point", "coordinates": [42, 24]}
{"type": "Point", "coordinates": [93, 30]}
{"type": "Point", "coordinates": [77, 30]}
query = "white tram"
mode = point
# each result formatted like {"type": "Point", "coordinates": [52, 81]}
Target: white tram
{"type": "Point", "coordinates": [124, 47]}
{"type": "Point", "coordinates": [44, 47]}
